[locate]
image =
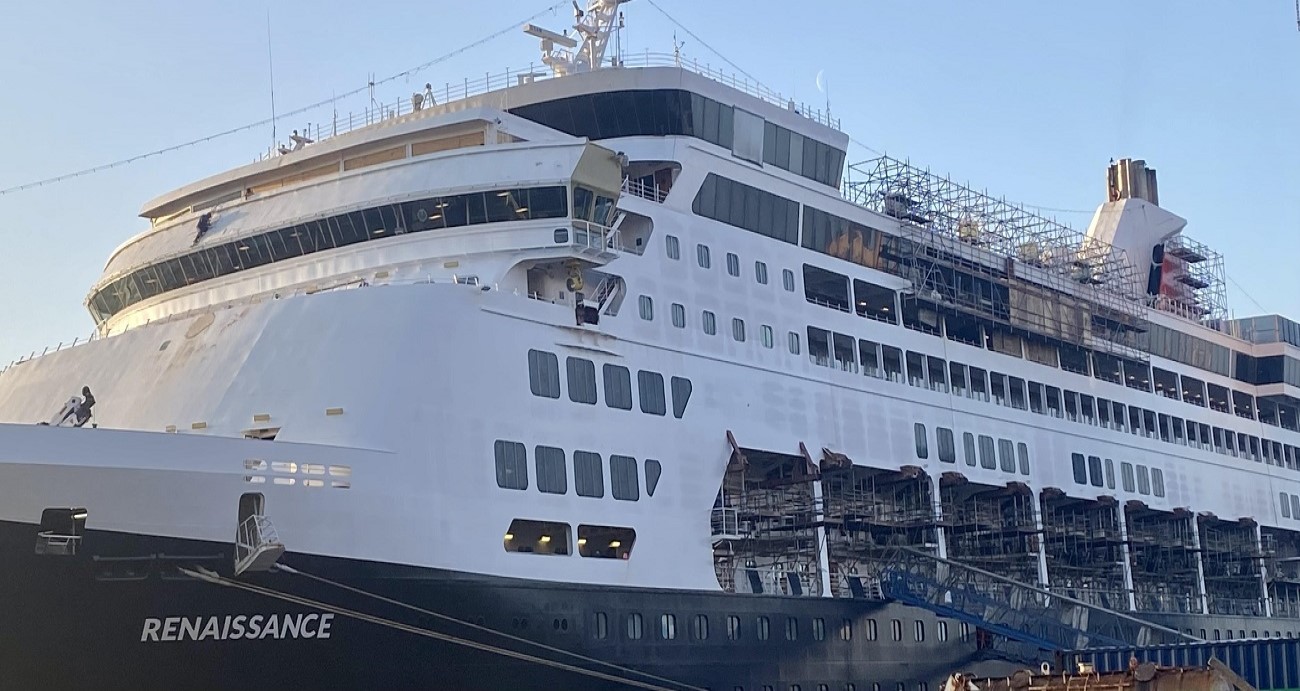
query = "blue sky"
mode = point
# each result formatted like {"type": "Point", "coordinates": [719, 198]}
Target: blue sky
{"type": "Point", "coordinates": [1027, 99]}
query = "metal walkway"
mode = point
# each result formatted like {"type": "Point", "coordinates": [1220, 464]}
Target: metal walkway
{"type": "Point", "coordinates": [1028, 623]}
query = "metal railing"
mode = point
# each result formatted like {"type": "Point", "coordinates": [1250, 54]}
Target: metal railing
{"type": "Point", "coordinates": [637, 188]}
{"type": "Point", "coordinates": [378, 111]}
{"type": "Point", "coordinates": [254, 533]}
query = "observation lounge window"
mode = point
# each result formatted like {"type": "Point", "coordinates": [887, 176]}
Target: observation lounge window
{"type": "Point", "coordinates": [537, 537]}
{"type": "Point", "coordinates": [826, 288]}
{"type": "Point", "coordinates": [605, 542]}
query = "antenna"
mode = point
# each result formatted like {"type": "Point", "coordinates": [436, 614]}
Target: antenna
{"type": "Point", "coordinates": [1297, 15]}
{"type": "Point", "coordinates": [270, 61]}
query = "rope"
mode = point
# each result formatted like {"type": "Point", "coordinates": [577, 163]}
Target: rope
{"type": "Point", "coordinates": [201, 140]}
{"type": "Point", "coordinates": [211, 577]}
{"type": "Point", "coordinates": [444, 617]}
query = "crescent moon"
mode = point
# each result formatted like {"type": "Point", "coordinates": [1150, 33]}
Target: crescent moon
{"type": "Point", "coordinates": [821, 82]}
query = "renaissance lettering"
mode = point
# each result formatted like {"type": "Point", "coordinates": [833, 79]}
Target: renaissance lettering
{"type": "Point", "coordinates": [236, 627]}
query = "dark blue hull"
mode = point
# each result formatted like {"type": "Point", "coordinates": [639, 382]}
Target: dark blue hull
{"type": "Point", "coordinates": [121, 615]}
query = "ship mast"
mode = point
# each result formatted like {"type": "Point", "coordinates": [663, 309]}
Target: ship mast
{"type": "Point", "coordinates": [564, 54]}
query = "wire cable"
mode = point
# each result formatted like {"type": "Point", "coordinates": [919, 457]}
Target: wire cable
{"type": "Point", "coordinates": [216, 579]}
{"type": "Point", "coordinates": [449, 618]}
{"type": "Point", "coordinates": [275, 118]}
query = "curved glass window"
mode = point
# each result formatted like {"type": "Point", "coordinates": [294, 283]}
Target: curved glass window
{"type": "Point", "coordinates": [324, 234]}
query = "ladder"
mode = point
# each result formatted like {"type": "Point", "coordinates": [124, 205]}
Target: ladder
{"type": "Point", "coordinates": [257, 546]}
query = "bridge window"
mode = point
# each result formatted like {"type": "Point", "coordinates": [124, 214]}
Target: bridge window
{"type": "Point", "coordinates": [537, 537]}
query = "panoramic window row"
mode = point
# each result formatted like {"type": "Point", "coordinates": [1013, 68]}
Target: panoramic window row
{"type": "Point", "coordinates": [554, 538]}
{"type": "Point", "coordinates": [890, 363]}
{"type": "Point", "coordinates": [544, 381]}
{"type": "Point", "coordinates": [837, 291]}
{"type": "Point", "coordinates": [1093, 470]}
{"type": "Point", "coordinates": [336, 231]}
{"type": "Point", "coordinates": [674, 112]}
{"type": "Point", "coordinates": [588, 472]}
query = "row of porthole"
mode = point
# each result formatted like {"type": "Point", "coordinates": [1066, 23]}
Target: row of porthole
{"type": "Point", "coordinates": [258, 465]}
{"type": "Point", "coordinates": [699, 630]}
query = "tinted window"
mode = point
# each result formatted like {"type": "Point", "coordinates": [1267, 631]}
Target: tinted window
{"type": "Point", "coordinates": [922, 448]}
{"type": "Point", "coordinates": [988, 457]}
{"type": "Point", "coordinates": [551, 473]}
{"type": "Point", "coordinates": [582, 380]}
{"type": "Point", "coordinates": [1007, 455]}
{"type": "Point", "coordinates": [1080, 467]}
{"type": "Point", "coordinates": [1095, 476]}
{"type": "Point", "coordinates": [512, 465]}
{"type": "Point", "coordinates": [653, 471]}
{"type": "Point", "coordinates": [544, 374]}
{"type": "Point", "coordinates": [651, 387]}
{"type": "Point", "coordinates": [750, 208]}
{"type": "Point", "coordinates": [681, 395]}
{"type": "Point", "coordinates": [623, 478]}
{"type": "Point", "coordinates": [618, 387]}
{"type": "Point", "coordinates": [968, 447]}
{"type": "Point", "coordinates": [588, 477]}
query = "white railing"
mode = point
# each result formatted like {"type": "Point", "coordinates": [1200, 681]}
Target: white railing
{"type": "Point", "coordinates": [254, 533]}
{"type": "Point", "coordinates": [637, 188]}
{"type": "Point", "coordinates": [62, 344]}
{"type": "Point", "coordinates": [52, 543]}
{"type": "Point", "coordinates": [379, 111]}
{"type": "Point", "coordinates": [593, 236]}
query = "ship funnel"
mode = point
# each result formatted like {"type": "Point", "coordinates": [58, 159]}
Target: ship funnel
{"type": "Point", "coordinates": [1130, 179]}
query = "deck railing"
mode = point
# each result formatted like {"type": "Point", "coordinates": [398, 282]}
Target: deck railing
{"type": "Point", "coordinates": [380, 111]}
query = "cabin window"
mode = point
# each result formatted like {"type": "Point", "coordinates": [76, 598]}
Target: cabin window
{"type": "Point", "coordinates": [668, 626]}
{"type": "Point", "coordinates": [618, 387]}
{"type": "Point", "coordinates": [979, 384]}
{"type": "Point", "coordinates": [1080, 467]}
{"type": "Point", "coordinates": [588, 476]}
{"type": "Point", "coordinates": [605, 542]}
{"type": "Point", "coordinates": [623, 478]}
{"type": "Point", "coordinates": [681, 388]}
{"type": "Point", "coordinates": [922, 449]}
{"type": "Point", "coordinates": [738, 329]}
{"type": "Point", "coordinates": [700, 627]}
{"type": "Point", "coordinates": [915, 369]}
{"type": "Point", "coordinates": [947, 447]}
{"type": "Point", "coordinates": [1007, 455]}
{"type": "Point", "coordinates": [733, 627]}
{"type": "Point", "coordinates": [988, 456]}
{"type": "Point", "coordinates": [733, 264]}
{"type": "Point", "coordinates": [552, 476]}
{"type": "Point", "coordinates": [1094, 471]}
{"type": "Point", "coordinates": [819, 629]}
{"type": "Point", "coordinates": [765, 333]}
{"type": "Point", "coordinates": [791, 629]}
{"type": "Point", "coordinates": [600, 626]}
{"type": "Point", "coordinates": [651, 387]}
{"type": "Point", "coordinates": [968, 448]}
{"type": "Point", "coordinates": [679, 315]}
{"type": "Point", "coordinates": [544, 373]}
{"type": "Point", "coordinates": [673, 246]}
{"type": "Point", "coordinates": [653, 471]}
{"type": "Point", "coordinates": [702, 256]}
{"type": "Point", "coordinates": [787, 280]}
{"type": "Point", "coordinates": [874, 302]}
{"type": "Point", "coordinates": [869, 356]}
{"type": "Point", "coordinates": [893, 359]}
{"type": "Point", "coordinates": [793, 339]}
{"type": "Point", "coordinates": [760, 272]}
{"type": "Point", "coordinates": [1110, 474]}
{"type": "Point", "coordinates": [764, 627]}
{"type": "Point", "coordinates": [1193, 391]}
{"type": "Point", "coordinates": [537, 537]}
{"type": "Point", "coordinates": [512, 465]}
{"type": "Point", "coordinates": [582, 380]}
{"type": "Point", "coordinates": [1022, 452]}
{"type": "Point", "coordinates": [647, 307]}
{"type": "Point", "coordinates": [710, 323]}
{"type": "Point", "coordinates": [634, 626]}
{"type": "Point", "coordinates": [1157, 482]}
{"type": "Point", "coordinates": [846, 629]}
{"type": "Point", "coordinates": [1286, 505]}
{"type": "Point", "coordinates": [1144, 480]}
{"type": "Point", "coordinates": [1126, 476]}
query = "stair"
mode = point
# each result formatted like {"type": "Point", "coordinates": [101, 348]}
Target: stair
{"type": "Point", "coordinates": [1026, 621]}
{"type": "Point", "coordinates": [257, 546]}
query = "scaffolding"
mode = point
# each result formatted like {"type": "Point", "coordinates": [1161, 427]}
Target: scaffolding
{"type": "Point", "coordinates": [765, 525]}
{"type": "Point", "coordinates": [1085, 549]}
{"type": "Point", "coordinates": [991, 528]}
{"type": "Point", "coordinates": [1231, 559]}
{"type": "Point", "coordinates": [1281, 550]}
{"type": "Point", "coordinates": [1163, 558]}
{"type": "Point", "coordinates": [974, 254]}
{"type": "Point", "coordinates": [868, 513]}
{"type": "Point", "coordinates": [1197, 278]}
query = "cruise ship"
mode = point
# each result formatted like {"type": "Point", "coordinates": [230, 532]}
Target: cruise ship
{"type": "Point", "coordinates": [618, 375]}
